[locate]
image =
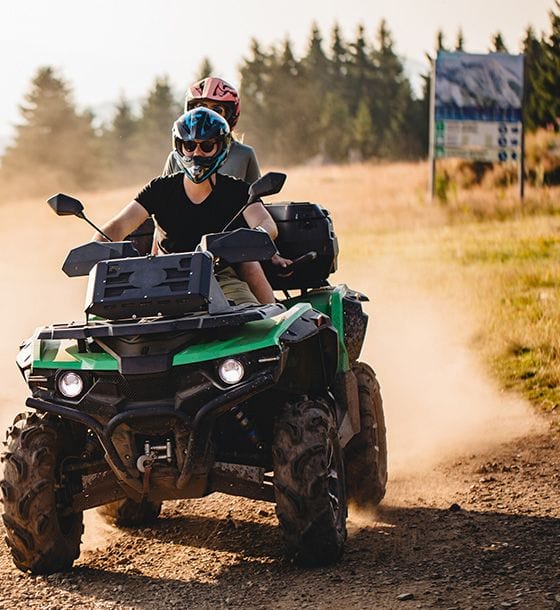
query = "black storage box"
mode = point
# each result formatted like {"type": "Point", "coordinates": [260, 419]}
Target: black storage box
{"type": "Point", "coordinates": [303, 227]}
{"type": "Point", "coordinates": [167, 285]}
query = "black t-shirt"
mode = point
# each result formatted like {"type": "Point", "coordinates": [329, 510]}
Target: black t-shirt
{"type": "Point", "coordinates": [182, 223]}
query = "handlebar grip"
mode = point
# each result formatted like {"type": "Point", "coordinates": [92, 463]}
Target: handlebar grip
{"type": "Point", "coordinates": [305, 258]}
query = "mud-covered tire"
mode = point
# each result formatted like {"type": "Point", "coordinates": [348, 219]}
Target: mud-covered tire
{"type": "Point", "coordinates": [128, 513]}
{"type": "Point", "coordinates": [309, 482]}
{"type": "Point", "coordinates": [365, 456]}
{"type": "Point", "coordinates": [41, 538]}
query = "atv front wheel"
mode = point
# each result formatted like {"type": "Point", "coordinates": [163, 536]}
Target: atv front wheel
{"type": "Point", "coordinates": [42, 533]}
{"type": "Point", "coordinates": [309, 482]}
{"type": "Point", "coordinates": [128, 513]}
{"type": "Point", "coordinates": [365, 456]}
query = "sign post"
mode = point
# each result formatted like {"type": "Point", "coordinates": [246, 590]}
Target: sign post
{"type": "Point", "coordinates": [476, 110]}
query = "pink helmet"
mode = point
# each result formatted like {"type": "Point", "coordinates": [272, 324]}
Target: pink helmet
{"type": "Point", "coordinates": [216, 90]}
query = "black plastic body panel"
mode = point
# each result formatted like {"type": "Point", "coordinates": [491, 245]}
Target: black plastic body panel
{"type": "Point", "coordinates": [146, 326]}
{"type": "Point", "coordinates": [167, 285]}
{"type": "Point", "coordinates": [82, 259]}
{"type": "Point", "coordinates": [240, 245]}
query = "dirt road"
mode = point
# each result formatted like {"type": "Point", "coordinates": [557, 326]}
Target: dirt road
{"type": "Point", "coordinates": [471, 518]}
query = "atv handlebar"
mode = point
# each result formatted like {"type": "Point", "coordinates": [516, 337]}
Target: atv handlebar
{"type": "Point", "coordinates": [305, 258]}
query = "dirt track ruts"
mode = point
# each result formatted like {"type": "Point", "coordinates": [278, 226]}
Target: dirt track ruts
{"type": "Point", "coordinates": [492, 543]}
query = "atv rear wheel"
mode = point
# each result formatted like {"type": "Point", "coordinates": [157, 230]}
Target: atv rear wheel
{"type": "Point", "coordinates": [365, 456]}
{"type": "Point", "coordinates": [309, 482]}
{"type": "Point", "coordinates": [128, 513]}
{"type": "Point", "coordinates": [42, 534]}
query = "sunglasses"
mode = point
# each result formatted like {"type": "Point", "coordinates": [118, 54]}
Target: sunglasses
{"type": "Point", "coordinates": [219, 108]}
{"type": "Point", "coordinates": [206, 146]}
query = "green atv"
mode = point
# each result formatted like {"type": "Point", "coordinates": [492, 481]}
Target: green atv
{"type": "Point", "coordinates": [168, 391]}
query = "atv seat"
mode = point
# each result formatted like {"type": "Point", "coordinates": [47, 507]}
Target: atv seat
{"type": "Point", "coordinates": [303, 227]}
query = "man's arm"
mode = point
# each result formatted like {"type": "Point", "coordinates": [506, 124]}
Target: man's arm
{"type": "Point", "coordinates": [121, 225]}
{"type": "Point", "coordinates": [256, 215]}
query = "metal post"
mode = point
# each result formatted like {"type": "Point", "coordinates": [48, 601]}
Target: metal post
{"type": "Point", "coordinates": [521, 163]}
{"type": "Point", "coordinates": [521, 166]}
{"type": "Point", "coordinates": [431, 136]}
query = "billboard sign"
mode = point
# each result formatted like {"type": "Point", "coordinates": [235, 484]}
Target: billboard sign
{"type": "Point", "coordinates": [478, 106]}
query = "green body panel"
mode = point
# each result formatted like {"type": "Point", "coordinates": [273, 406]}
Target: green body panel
{"type": "Point", "coordinates": [252, 336]}
{"type": "Point", "coordinates": [329, 302]}
{"type": "Point", "coordinates": [65, 355]}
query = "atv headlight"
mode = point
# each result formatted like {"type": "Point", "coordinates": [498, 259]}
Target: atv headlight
{"type": "Point", "coordinates": [231, 371]}
{"type": "Point", "coordinates": [70, 384]}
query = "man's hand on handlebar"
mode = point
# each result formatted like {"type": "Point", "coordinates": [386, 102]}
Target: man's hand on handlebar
{"type": "Point", "coordinates": [280, 261]}
{"type": "Point", "coordinates": [289, 265]}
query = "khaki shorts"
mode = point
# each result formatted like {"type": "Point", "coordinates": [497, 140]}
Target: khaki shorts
{"type": "Point", "coordinates": [234, 289]}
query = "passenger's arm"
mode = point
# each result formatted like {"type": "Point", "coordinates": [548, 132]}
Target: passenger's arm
{"type": "Point", "coordinates": [126, 221]}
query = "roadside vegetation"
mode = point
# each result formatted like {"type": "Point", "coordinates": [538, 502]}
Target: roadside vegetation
{"type": "Point", "coordinates": [512, 269]}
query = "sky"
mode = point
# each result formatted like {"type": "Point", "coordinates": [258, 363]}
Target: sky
{"type": "Point", "coordinates": [108, 48]}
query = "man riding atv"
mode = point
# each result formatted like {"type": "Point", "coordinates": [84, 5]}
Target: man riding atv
{"type": "Point", "coordinates": [180, 383]}
{"type": "Point", "coordinates": [198, 200]}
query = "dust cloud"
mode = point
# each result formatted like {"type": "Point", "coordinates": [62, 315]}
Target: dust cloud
{"type": "Point", "coordinates": [97, 532]}
{"type": "Point", "coordinates": [439, 403]}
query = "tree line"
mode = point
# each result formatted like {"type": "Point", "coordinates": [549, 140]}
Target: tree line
{"type": "Point", "coordinates": [344, 100]}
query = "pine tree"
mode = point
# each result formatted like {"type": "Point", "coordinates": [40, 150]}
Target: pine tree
{"type": "Point", "coordinates": [119, 140]}
{"type": "Point", "coordinates": [361, 76]}
{"type": "Point", "coordinates": [336, 129]}
{"type": "Point", "coordinates": [205, 69]}
{"type": "Point", "coordinates": [498, 44]}
{"type": "Point", "coordinates": [55, 147]}
{"type": "Point", "coordinates": [440, 44]}
{"type": "Point", "coordinates": [339, 58]}
{"type": "Point", "coordinates": [310, 92]}
{"type": "Point", "coordinates": [253, 122]}
{"type": "Point", "coordinates": [533, 111]}
{"type": "Point", "coordinates": [460, 42]}
{"type": "Point", "coordinates": [339, 66]}
{"type": "Point", "coordinates": [287, 108]}
{"type": "Point", "coordinates": [153, 137]}
{"type": "Point", "coordinates": [547, 84]}
{"type": "Point", "coordinates": [392, 98]}
{"type": "Point", "coordinates": [315, 62]}
{"type": "Point", "coordinates": [363, 143]}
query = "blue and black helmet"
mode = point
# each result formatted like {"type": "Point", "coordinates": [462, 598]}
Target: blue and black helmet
{"type": "Point", "coordinates": [190, 132]}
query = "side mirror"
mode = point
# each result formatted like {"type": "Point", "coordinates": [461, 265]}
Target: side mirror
{"type": "Point", "coordinates": [64, 205]}
{"type": "Point", "coordinates": [269, 184]}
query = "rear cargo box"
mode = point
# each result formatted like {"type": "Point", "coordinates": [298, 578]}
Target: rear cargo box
{"type": "Point", "coordinates": [303, 227]}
